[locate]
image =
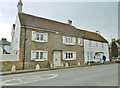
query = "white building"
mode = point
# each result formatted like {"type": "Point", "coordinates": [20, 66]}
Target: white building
{"type": "Point", "coordinates": [95, 46]}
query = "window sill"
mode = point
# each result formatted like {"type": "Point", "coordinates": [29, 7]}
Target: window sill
{"type": "Point", "coordinates": [39, 41]}
{"type": "Point", "coordinates": [80, 44]}
{"type": "Point", "coordinates": [68, 59]}
{"type": "Point", "coordinates": [40, 60]}
{"type": "Point", "coordinates": [69, 44]}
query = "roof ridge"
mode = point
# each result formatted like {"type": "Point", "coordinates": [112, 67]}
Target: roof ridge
{"type": "Point", "coordinates": [45, 19]}
{"type": "Point", "coordinates": [87, 31]}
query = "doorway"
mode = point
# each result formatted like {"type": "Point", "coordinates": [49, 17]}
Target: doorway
{"type": "Point", "coordinates": [57, 59]}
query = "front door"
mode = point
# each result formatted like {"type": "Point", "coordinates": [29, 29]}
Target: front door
{"type": "Point", "coordinates": [57, 58]}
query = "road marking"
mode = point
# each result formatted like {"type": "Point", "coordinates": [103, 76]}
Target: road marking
{"type": "Point", "coordinates": [24, 80]}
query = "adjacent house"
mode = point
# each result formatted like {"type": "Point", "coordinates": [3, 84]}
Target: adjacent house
{"type": "Point", "coordinates": [46, 42]}
{"type": "Point", "coordinates": [5, 46]}
{"type": "Point", "coordinates": [95, 46]}
{"type": "Point", "coordinates": [115, 48]}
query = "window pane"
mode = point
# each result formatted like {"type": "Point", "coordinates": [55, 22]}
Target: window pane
{"type": "Point", "coordinates": [37, 36]}
{"type": "Point", "coordinates": [41, 55]}
{"type": "Point", "coordinates": [37, 55]}
{"type": "Point", "coordinates": [90, 43]}
{"type": "Point", "coordinates": [88, 56]}
{"type": "Point", "coordinates": [102, 45]}
{"type": "Point", "coordinates": [66, 55]}
{"type": "Point", "coordinates": [71, 55]}
{"type": "Point", "coordinates": [71, 40]}
{"type": "Point", "coordinates": [41, 36]}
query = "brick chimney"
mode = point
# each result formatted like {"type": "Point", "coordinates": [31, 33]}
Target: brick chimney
{"type": "Point", "coordinates": [20, 6]}
{"type": "Point", "coordinates": [69, 22]}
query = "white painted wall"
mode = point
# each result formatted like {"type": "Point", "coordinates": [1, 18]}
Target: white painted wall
{"type": "Point", "coordinates": [95, 48]}
{"type": "Point", "coordinates": [15, 41]}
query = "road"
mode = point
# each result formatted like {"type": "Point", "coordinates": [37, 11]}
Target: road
{"type": "Point", "coordinates": [102, 75]}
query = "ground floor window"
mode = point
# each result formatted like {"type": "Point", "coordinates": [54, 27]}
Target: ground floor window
{"type": "Point", "coordinates": [69, 55]}
{"type": "Point", "coordinates": [39, 55]}
{"type": "Point", "coordinates": [90, 56]}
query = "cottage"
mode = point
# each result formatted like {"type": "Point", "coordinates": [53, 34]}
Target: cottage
{"type": "Point", "coordinates": [45, 42]}
{"type": "Point", "coordinates": [95, 46]}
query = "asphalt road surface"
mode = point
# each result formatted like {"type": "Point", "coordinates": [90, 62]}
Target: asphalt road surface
{"type": "Point", "coordinates": [102, 75]}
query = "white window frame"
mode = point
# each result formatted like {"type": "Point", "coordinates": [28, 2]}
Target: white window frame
{"type": "Point", "coordinates": [90, 43]}
{"type": "Point", "coordinates": [102, 45]}
{"type": "Point", "coordinates": [36, 57]}
{"type": "Point", "coordinates": [36, 36]}
{"type": "Point", "coordinates": [69, 40]}
{"type": "Point", "coordinates": [96, 44]}
{"type": "Point", "coordinates": [69, 55]}
{"type": "Point", "coordinates": [80, 41]}
{"type": "Point", "coordinates": [90, 56]}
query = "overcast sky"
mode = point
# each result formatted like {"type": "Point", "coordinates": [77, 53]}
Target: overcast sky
{"type": "Point", "coordinates": [91, 16]}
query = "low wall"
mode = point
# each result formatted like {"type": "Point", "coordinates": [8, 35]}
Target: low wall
{"type": "Point", "coordinates": [9, 60]}
{"type": "Point", "coordinates": [9, 57]}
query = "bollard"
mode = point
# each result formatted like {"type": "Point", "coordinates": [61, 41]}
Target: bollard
{"type": "Point", "coordinates": [51, 65]}
{"type": "Point", "coordinates": [78, 63]}
{"type": "Point", "coordinates": [62, 65]}
{"type": "Point", "coordinates": [66, 64]}
{"type": "Point", "coordinates": [37, 67]}
{"type": "Point", "coordinates": [13, 69]}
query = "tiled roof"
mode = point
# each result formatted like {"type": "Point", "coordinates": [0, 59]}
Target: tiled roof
{"type": "Point", "coordinates": [92, 36]}
{"type": "Point", "coordinates": [39, 22]}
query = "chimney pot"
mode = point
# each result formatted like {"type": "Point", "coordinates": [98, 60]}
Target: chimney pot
{"type": "Point", "coordinates": [69, 22]}
{"type": "Point", "coordinates": [4, 39]}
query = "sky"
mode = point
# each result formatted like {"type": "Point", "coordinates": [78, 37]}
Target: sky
{"type": "Point", "coordinates": [92, 16]}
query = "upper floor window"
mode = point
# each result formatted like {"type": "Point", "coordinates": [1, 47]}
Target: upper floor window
{"type": "Point", "coordinates": [96, 44]}
{"type": "Point", "coordinates": [80, 41]}
{"type": "Point", "coordinates": [39, 55]}
{"type": "Point", "coordinates": [69, 40]}
{"type": "Point", "coordinates": [90, 43]}
{"type": "Point", "coordinates": [102, 45]}
{"type": "Point", "coordinates": [69, 55]}
{"type": "Point", "coordinates": [39, 37]}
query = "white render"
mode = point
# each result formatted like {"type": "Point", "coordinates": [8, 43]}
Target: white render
{"type": "Point", "coordinates": [95, 47]}
{"type": "Point", "coordinates": [15, 41]}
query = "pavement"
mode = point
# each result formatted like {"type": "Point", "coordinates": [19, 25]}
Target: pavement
{"type": "Point", "coordinates": [101, 75]}
{"type": "Point", "coordinates": [44, 69]}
